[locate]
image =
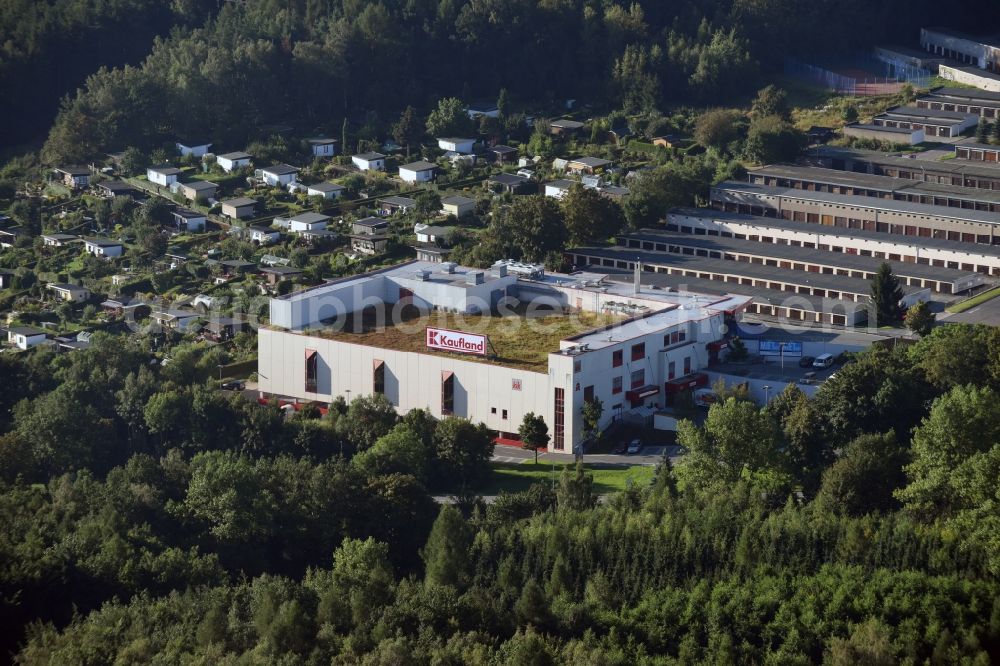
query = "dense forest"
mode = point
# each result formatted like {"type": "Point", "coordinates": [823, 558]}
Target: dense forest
{"type": "Point", "coordinates": [148, 519]}
{"type": "Point", "coordinates": [313, 63]}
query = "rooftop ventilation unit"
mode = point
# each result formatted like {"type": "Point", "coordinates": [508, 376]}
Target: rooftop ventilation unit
{"type": "Point", "coordinates": [475, 277]}
{"type": "Point", "coordinates": [423, 275]}
{"type": "Point", "coordinates": [448, 267]}
{"type": "Point", "coordinates": [501, 270]}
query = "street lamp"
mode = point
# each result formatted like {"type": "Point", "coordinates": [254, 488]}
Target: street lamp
{"type": "Point", "coordinates": [766, 389]}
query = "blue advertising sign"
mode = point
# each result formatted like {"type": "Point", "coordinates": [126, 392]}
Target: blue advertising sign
{"type": "Point", "coordinates": [777, 348]}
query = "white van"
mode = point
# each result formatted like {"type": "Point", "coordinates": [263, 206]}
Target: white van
{"type": "Point", "coordinates": [823, 361]}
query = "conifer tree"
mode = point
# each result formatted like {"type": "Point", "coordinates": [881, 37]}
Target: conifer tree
{"type": "Point", "coordinates": [446, 555]}
{"type": "Point", "coordinates": [885, 296]}
{"type": "Point", "coordinates": [982, 130]}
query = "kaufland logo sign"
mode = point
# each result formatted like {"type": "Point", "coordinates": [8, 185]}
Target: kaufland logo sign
{"type": "Point", "coordinates": [456, 341]}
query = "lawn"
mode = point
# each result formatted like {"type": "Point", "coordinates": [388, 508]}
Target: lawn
{"type": "Point", "coordinates": [514, 477]}
{"type": "Point", "coordinates": [517, 340]}
{"type": "Point", "coordinates": [974, 301]}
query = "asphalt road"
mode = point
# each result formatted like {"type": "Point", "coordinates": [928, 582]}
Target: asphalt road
{"type": "Point", "coordinates": [986, 313]}
{"type": "Point", "coordinates": [649, 455]}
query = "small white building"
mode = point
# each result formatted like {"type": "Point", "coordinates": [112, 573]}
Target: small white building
{"type": "Point", "coordinates": [59, 240]}
{"type": "Point", "coordinates": [369, 161]}
{"type": "Point", "coordinates": [264, 235]}
{"type": "Point", "coordinates": [458, 206]}
{"type": "Point", "coordinates": [279, 175]}
{"type": "Point", "coordinates": [163, 176]}
{"type": "Point", "coordinates": [417, 172]}
{"type": "Point", "coordinates": [325, 190]}
{"type": "Point", "coordinates": [308, 222]}
{"type": "Point", "coordinates": [557, 189]}
{"type": "Point", "coordinates": [232, 161]}
{"type": "Point", "coordinates": [105, 249]}
{"type": "Point", "coordinates": [427, 233]}
{"type": "Point", "coordinates": [25, 337]}
{"type": "Point", "coordinates": [323, 147]}
{"type": "Point", "coordinates": [195, 149]}
{"type": "Point", "coordinates": [456, 145]}
{"type": "Point", "coordinates": [189, 220]}
{"type": "Point", "coordinates": [70, 293]}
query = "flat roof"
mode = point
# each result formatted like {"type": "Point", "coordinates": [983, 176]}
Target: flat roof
{"type": "Point", "coordinates": [322, 142]}
{"type": "Point", "coordinates": [944, 212]}
{"type": "Point", "coordinates": [100, 242]}
{"type": "Point", "coordinates": [589, 161]}
{"type": "Point", "coordinates": [280, 169]}
{"type": "Point", "coordinates": [879, 128]}
{"type": "Point", "coordinates": [797, 254]}
{"type": "Point", "coordinates": [917, 112]}
{"type": "Point", "coordinates": [60, 236]}
{"type": "Point", "coordinates": [405, 202]}
{"type": "Point", "coordinates": [455, 139]}
{"type": "Point", "coordinates": [236, 156]}
{"type": "Point", "coordinates": [166, 171]}
{"type": "Point", "coordinates": [457, 200]}
{"type": "Point", "coordinates": [756, 221]}
{"type": "Point", "coordinates": [325, 187]}
{"type": "Point", "coordinates": [953, 167]}
{"type": "Point", "coordinates": [200, 185]}
{"type": "Point", "coordinates": [977, 146]}
{"type": "Point", "coordinates": [418, 166]}
{"type": "Point", "coordinates": [876, 182]}
{"type": "Point", "coordinates": [958, 34]}
{"type": "Point", "coordinates": [509, 179]}
{"type": "Point", "coordinates": [701, 286]}
{"type": "Point", "coordinates": [825, 281]}
{"type": "Point", "coordinates": [187, 214]}
{"type": "Point", "coordinates": [371, 221]}
{"type": "Point", "coordinates": [963, 93]}
{"type": "Point", "coordinates": [560, 183]}
{"type": "Point", "coordinates": [566, 123]}
{"type": "Point", "coordinates": [310, 218]}
{"type": "Point", "coordinates": [240, 202]}
{"type": "Point", "coordinates": [368, 157]}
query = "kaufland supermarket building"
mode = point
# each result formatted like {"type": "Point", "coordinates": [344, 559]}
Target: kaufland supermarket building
{"type": "Point", "coordinates": [311, 350]}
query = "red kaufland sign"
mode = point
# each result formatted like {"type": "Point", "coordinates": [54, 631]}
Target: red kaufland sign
{"type": "Point", "coordinates": [456, 341]}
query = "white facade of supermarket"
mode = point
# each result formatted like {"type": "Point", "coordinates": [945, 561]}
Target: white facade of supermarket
{"type": "Point", "coordinates": [629, 366]}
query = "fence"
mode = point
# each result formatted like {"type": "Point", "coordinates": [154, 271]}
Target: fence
{"type": "Point", "coordinates": [859, 75]}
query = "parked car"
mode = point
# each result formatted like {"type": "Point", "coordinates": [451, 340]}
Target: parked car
{"type": "Point", "coordinates": [823, 361]}
{"type": "Point", "coordinates": [806, 361]}
{"type": "Point", "coordinates": [620, 448]}
{"type": "Point", "coordinates": [234, 385]}
{"type": "Point", "coordinates": [634, 447]}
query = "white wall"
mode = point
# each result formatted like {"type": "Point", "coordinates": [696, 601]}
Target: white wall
{"type": "Point", "coordinates": [412, 380]}
{"type": "Point", "coordinates": [889, 245]}
{"type": "Point", "coordinates": [369, 165]}
{"type": "Point", "coordinates": [990, 84]}
{"type": "Point", "coordinates": [416, 176]}
{"type": "Point", "coordinates": [160, 179]}
{"type": "Point", "coordinates": [229, 165]}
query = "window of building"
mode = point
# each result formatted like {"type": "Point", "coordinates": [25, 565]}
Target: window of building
{"type": "Point", "coordinates": [378, 377]}
{"type": "Point", "coordinates": [639, 351]}
{"type": "Point", "coordinates": [682, 336]}
{"type": "Point", "coordinates": [559, 433]}
{"type": "Point", "coordinates": [493, 410]}
{"type": "Point", "coordinates": [616, 385]}
{"type": "Point", "coordinates": [687, 365]}
{"type": "Point", "coordinates": [588, 393]}
{"type": "Point", "coordinates": [503, 414]}
{"type": "Point", "coordinates": [671, 370]}
{"type": "Point", "coordinates": [638, 379]}
{"type": "Point", "coordinates": [616, 358]}
{"type": "Point", "coordinates": [447, 393]}
{"type": "Point", "coordinates": [312, 370]}
{"type": "Point", "coordinates": [577, 365]}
